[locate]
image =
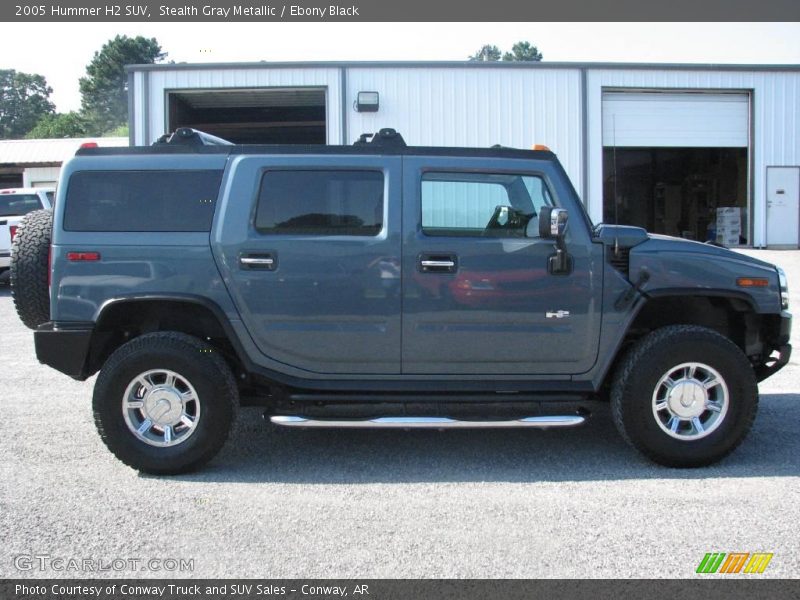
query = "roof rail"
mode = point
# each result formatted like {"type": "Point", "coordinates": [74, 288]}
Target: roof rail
{"type": "Point", "coordinates": [385, 137]}
{"type": "Point", "coordinates": [186, 136]}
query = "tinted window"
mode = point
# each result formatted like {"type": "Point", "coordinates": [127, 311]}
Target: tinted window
{"type": "Point", "coordinates": [12, 205]}
{"type": "Point", "coordinates": [141, 200]}
{"type": "Point", "coordinates": [482, 204]}
{"type": "Point", "coordinates": [51, 196]}
{"type": "Point", "coordinates": [321, 202]}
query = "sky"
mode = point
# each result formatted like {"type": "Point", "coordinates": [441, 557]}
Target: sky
{"type": "Point", "coordinates": [61, 51]}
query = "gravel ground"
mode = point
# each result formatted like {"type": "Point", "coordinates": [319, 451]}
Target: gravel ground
{"type": "Point", "coordinates": [358, 504]}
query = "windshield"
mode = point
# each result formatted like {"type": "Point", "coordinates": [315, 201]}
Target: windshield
{"type": "Point", "coordinates": [13, 205]}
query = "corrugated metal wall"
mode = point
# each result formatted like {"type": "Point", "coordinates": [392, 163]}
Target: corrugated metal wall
{"type": "Point", "coordinates": [451, 106]}
{"type": "Point", "coordinates": [40, 176]}
{"type": "Point", "coordinates": [775, 107]}
{"type": "Point", "coordinates": [429, 106]}
{"type": "Point", "coordinates": [475, 107]}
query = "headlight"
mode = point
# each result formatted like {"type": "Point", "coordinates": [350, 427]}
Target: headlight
{"type": "Point", "coordinates": [784, 285]}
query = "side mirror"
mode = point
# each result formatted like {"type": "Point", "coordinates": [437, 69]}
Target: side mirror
{"type": "Point", "coordinates": [552, 225]}
{"type": "Point", "coordinates": [552, 222]}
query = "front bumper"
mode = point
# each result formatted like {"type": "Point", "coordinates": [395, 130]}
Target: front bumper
{"type": "Point", "coordinates": [780, 344]}
{"type": "Point", "coordinates": [65, 348]}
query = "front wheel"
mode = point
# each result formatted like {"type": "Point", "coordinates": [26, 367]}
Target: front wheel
{"type": "Point", "coordinates": [164, 403]}
{"type": "Point", "coordinates": [685, 396]}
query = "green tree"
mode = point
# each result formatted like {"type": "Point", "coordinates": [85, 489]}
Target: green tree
{"type": "Point", "coordinates": [104, 93]}
{"type": "Point", "coordinates": [63, 125]}
{"type": "Point", "coordinates": [523, 52]}
{"type": "Point", "coordinates": [24, 99]}
{"type": "Point", "coordinates": [487, 53]}
{"type": "Point", "coordinates": [520, 52]}
{"type": "Point", "coordinates": [119, 131]}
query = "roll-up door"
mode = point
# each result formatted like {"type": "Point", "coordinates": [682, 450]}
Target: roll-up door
{"type": "Point", "coordinates": [676, 120]}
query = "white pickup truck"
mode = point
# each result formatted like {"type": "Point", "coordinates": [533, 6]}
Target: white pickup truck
{"type": "Point", "coordinates": [15, 203]}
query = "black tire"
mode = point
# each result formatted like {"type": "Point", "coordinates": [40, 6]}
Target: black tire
{"type": "Point", "coordinates": [638, 377]}
{"type": "Point", "coordinates": [194, 361]}
{"type": "Point", "coordinates": [30, 258]}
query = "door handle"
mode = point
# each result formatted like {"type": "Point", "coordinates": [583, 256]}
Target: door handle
{"type": "Point", "coordinates": [262, 262]}
{"type": "Point", "coordinates": [438, 263]}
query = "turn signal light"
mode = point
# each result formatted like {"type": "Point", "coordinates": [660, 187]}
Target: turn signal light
{"type": "Point", "coordinates": [752, 282]}
{"type": "Point", "coordinates": [83, 256]}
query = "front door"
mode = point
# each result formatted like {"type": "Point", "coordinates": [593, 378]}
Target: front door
{"type": "Point", "coordinates": [311, 255]}
{"type": "Point", "coordinates": [783, 206]}
{"type": "Point", "coordinates": [477, 295]}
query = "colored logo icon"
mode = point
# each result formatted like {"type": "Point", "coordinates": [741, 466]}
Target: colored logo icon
{"type": "Point", "coordinates": [734, 562]}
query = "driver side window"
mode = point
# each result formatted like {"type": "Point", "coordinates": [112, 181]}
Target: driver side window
{"type": "Point", "coordinates": [481, 204]}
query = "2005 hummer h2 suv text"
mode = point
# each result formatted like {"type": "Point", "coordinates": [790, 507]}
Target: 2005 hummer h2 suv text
{"type": "Point", "coordinates": [382, 285]}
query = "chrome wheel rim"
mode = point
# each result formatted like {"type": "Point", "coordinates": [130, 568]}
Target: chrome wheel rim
{"type": "Point", "coordinates": [161, 408]}
{"type": "Point", "coordinates": [690, 401]}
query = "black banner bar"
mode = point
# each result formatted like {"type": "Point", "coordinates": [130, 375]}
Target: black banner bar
{"type": "Point", "coordinates": [712, 588]}
{"type": "Point", "coordinates": [397, 10]}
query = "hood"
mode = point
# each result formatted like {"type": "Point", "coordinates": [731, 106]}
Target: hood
{"type": "Point", "coordinates": [625, 237]}
{"type": "Point", "coordinates": [678, 266]}
{"type": "Point", "coordinates": [670, 243]}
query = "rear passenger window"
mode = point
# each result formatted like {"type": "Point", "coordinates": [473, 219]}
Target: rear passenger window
{"type": "Point", "coordinates": [321, 202]}
{"type": "Point", "coordinates": [482, 204]}
{"type": "Point", "coordinates": [141, 200]}
{"type": "Point", "coordinates": [16, 205]}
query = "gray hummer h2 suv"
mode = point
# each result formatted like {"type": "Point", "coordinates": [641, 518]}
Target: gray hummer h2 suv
{"type": "Point", "coordinates": [387, 286]}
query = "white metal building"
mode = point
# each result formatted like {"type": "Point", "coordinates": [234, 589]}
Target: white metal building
{"type": "Point", "coordinates": [37, 163]}
{"type": "Point", "coordinates": [662, 146]}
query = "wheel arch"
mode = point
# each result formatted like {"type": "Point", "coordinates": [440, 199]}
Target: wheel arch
{"type": "Point", "coordinates": [731, 313]}
{"type": "Point", "coordinates": [712, 309]}
{"type": "Point", "coordinates": [123, 318]}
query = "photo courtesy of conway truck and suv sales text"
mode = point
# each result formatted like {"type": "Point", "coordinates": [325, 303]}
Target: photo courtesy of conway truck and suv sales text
{"type": "Point", "coordinates": [386, 286]}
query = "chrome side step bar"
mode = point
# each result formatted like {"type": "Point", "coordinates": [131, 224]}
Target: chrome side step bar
{"type": "Point", "coordinates": [429, 422]}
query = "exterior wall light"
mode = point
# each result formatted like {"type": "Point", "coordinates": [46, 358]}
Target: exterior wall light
{"type": "Point", "coordinates": [367, 102]}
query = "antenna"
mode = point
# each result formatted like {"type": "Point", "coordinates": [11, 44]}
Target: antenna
{"type": "Point", "coordinates": [614, 160]}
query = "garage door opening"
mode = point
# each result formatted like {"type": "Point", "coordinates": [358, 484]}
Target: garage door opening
{"type": "Point", "coordinates": [695, 193]}
{"type": "Point", "coordinates": [253, 116]}
{"type": "Point", "coordinates": [678, 163]}
{"type": "Point", "coordinates": [10, 179]}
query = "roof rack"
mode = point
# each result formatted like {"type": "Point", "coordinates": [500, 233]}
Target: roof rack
{"type": "Point", "coordinates": [186, 136]}
{"type": "Point", "coordinates": [385, 137]}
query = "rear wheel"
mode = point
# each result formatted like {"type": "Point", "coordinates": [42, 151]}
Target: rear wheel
{"type": "Point", "coordinates": [30, 254]}
{"type": "Point", "coordinates": [164, 403]}
{"type": "Point", "coordinates": [685, 396]}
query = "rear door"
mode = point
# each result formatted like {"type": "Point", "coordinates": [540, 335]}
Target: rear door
{"type": "Point", "coordinates": [311, 251]}
{"type": "Point", "coordinates": [478, 297]}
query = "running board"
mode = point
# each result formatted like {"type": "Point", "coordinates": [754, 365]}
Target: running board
{"type": "Point", "coordinates": [429, 422]}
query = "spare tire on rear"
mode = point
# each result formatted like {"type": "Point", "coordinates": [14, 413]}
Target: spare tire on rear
{"type": "Point", "coordinates": [30, 255]}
